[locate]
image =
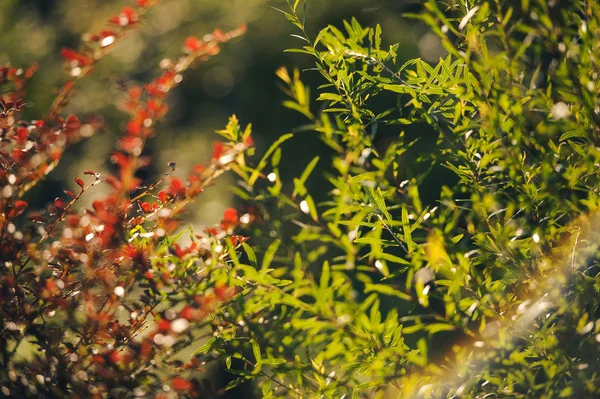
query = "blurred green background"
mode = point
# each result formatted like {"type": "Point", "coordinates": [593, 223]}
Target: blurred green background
{"type": "Point", "coordinates": [240, 80]}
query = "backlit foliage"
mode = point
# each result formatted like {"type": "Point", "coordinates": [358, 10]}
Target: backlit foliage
{"type": "Point", "coordinates": [489, 289]}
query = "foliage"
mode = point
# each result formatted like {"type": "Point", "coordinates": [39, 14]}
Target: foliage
{"type": "Point", "coordinates": [97, 302]}
{"type": "Point", "coordinates": [488, 289]}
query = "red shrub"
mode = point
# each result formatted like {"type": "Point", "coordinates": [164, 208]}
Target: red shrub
{"type": "Point", "coordinates": [104, 294]}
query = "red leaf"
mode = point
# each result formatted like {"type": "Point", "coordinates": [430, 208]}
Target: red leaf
{"type": "Point", "coordinates": [98, 205]}
{"type": "Point", "coordinates": [199, 169]}
{"type": "Point", "coordinates": [74, 56]}
{"type": "Point", "coordinates": [181, 384]}
{"type": "Point", "coordinates": [127, 16]}
{"type": "Point", "coordinates": [163, 196]}
{"type": "Point", "coordinates": [192, 44]}
{"type": "Point", "coordinates": [144, 206]}
{"type": "Point", "coordinates": [22, 134]}
{"type": "Point", "coordinates": [115, 357]}
{"type": "Point", "coordinates": [79, 182]}
{"type": "Point", "coordinates": [73, 122]}
{"type": "Point", "coordinates": [134, 127]}
{"type": "Point", "coordinates": [18, 208]}
{"type": "Point", "coordinates": [230, 216]}
{"type": "Point", "coordinates": [176, 186]}
{"type": "Point", "coordinates": [59, 203]}
{"type": "Point", "coordinates": [235, 240]}
{"type": "Point", "coordinates": [188, 313]}
{"type": "Point", "coordinates": [218, 150]}
{"type": "Point", "coordinates": [98, 360]}
{"type": "Point", "coordinates": [163, 325]}
{"type": "Point", "coordinates": [224, 292]}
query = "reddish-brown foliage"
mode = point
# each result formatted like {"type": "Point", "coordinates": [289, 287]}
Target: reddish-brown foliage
{"type": "Point", "coordinates": [102, 293]}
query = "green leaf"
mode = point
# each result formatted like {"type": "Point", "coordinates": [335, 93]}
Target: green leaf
{"type": "Point", "coordinates": [434, 328]}
{"type": "Point", "coordinates": [299, 37]}
{"type": "Point", "coordinates": [276, 158]}
{"type": "Point", "coordinates": [297, 303]}
{"type": "Point", "coordinates": [330, 97]}
{"type": "Point", "coordinates": [312, 208]}
{"type": "Point", "coordinates": [299, 183]}
{"type": "Point", "coordinates": [320, 36]}
{"type": "Point", "coordinates": [576, 133]}
{"type": "Point", "coordinates": [457, 238]}
{"type": "Point", "coordinates": [304, 13]}
{"type": "Point", "coordinates": [406, 228]}
{"type": "Point", "coordinates": [363, 178]}
{"type": "Point", "coordinates": [299, 50]}
{"type": "Point", "coordinates": [235, 383]}
{"type": "Point", "coordinates": [325, 275]}
{"type": "Point", "coordinates": [394, 258]}
{"type": "Point", "coordinates": [263, 161]}
{"type": "Point", "coordinates": [206, 347]}
{"type": "Point", "coordinates": [266, 386]}
{"type": "Point", "coordinates": [378, 37]}
{"type": "Point", "coordinates": [270, 254]}
{"type": "Point", "coordinates": [402, 89]}
{"type": "Point", "coordinates": [256, 351]}
{"type": "Point", "coordinates": [387, 290]}
{"type": "Point", "coordinates": [250, 254]}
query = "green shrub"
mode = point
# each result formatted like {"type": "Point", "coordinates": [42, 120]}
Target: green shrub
{"type": "Point", "coordinates": [489, 287]}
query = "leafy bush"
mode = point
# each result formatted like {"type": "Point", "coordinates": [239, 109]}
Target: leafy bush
{"type": "Point", "coordinates": [390, 283]}
{"type": "Point", "coordinates": [489, 287]}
